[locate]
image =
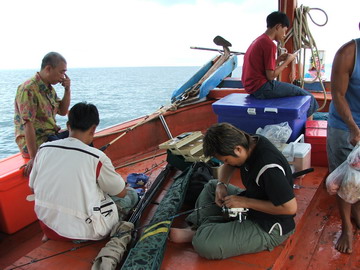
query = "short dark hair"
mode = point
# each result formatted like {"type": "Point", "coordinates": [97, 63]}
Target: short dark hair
{"type": "Point", "coordinates": [53, 59]}
{"type": "Point", "coordinates": [222, 138]}
{"type": "Point", "coordinates": [83, 116]}
{"type": "Point", "coordinates": [277, 17]}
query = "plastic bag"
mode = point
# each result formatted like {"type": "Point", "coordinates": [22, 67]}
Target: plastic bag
{"type": "Point", "coordinates": [138, 182]}
{"type": "Point", "coordinates": [278, 134]}
{"type": "Point", "coordinates": [345, 179]}
{"type": "Point", "coordinates": [350, 187]}
{"type": "Point", "coordinates": [334, 179]}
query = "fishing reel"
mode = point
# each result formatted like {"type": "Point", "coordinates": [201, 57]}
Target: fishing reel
{"type": "Point", "coordinates": [233, 213]}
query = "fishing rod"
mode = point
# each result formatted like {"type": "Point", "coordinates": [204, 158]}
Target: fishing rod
{"type": "Point", "coordinates": [146, 119]}
{"type": "Point", "coordinates": [116, 235]}
{"type": "Point", "coordinates": [215, 50]}
{"type": "Point", "coordinates": [169, 218]}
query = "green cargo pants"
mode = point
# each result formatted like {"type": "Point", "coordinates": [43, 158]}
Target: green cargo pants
{"type": "Point", "coordinates": [218, 238]}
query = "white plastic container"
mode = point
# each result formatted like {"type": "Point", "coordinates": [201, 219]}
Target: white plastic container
{"type": "Point", "coordinates": [298, 154]}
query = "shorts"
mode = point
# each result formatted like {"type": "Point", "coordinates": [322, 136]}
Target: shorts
{"type": "Point", "coordinates": [338, 147]}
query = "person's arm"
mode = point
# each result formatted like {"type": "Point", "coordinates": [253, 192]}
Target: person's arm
{"type": "Point", "coordinates": [225, 173]}
{"type": "Point", "coordinates": [26, 103]}
{"type": "Point", "coordinates": [342, 69]}
{"type": "Point", "coordinates": [122, 194]}
{"type": "Point", "coordinates": [285, 60]}
{"type": "Point", "coordinates": [109, 180]}
{"type": "Point", "coordinates": [30, 139]}
{"type": "Point", "coordinates": [33, 175]}
{"type": "Point", "coordinates": [288, 208]}
{"type": "Point", "coordinates": [279, 200]}
{"type": "Point", "coordinates": [65, 101]}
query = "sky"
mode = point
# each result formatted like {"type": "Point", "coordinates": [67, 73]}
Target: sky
{"type": "Point", "coordinates": [122, 33]}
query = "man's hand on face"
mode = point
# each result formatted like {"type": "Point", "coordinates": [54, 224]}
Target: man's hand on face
{"type": "Point", "coordinates": [66, 82]}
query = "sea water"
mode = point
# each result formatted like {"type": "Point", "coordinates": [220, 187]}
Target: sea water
{"type": "Point", "coordinates": [120, 94]}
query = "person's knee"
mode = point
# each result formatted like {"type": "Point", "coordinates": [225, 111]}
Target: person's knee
{"type": "Point", "coordinates": [206, 250]}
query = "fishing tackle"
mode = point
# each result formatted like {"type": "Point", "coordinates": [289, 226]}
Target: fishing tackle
{"type": "Point", "coordinates": [235, 212]}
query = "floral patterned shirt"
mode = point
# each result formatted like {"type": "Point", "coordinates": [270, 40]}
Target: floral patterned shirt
{"type": "Point", "coordinates": [38, 103]}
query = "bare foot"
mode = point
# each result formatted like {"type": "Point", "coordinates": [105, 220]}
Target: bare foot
{"type": "Point", "coordinates": [44, 238]}
{"type": "Point", "coordinates": [344, 243]}
{"type": "Point", "coordinates": [181, 235]}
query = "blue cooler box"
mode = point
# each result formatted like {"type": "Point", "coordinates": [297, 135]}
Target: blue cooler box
{"type": "Point", "coordinates": [248, 113]}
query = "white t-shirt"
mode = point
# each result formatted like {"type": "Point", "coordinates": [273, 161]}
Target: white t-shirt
{"type": "Point", "coordinates": [72, 183]}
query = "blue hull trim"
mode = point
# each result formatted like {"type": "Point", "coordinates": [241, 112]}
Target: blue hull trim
{"type": "Point", "coordinates": [218, 76]}
{"type": "Point", "coordinates": [193, 80]}
{"type": "Point", "coordinates": [213, 81]}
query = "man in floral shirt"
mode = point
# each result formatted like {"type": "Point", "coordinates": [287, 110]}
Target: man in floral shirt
{"type": "Point", "coordinates": [36, 105]}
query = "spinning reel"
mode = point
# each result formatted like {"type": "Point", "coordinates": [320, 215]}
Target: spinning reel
{"type": "Point", "coordinates": [235, 212]}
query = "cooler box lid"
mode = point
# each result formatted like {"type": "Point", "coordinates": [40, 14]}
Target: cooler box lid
{"type": "Point", "coordinates": [296, 150]}
{"type": "Point", "coordinates": [244, 104]}
{"type": "Point", "coordinates": [319, 124]}
{"type": "Point", "coordinates": [316, 131]}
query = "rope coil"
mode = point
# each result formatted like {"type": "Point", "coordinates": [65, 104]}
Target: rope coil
{"type": "Point", "coordinates": [303, 39]}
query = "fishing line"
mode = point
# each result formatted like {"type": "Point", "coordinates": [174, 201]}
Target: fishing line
{"type": "Point", "coordinates": [116, 235]}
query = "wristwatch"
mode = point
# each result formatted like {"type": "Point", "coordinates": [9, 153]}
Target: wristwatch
{"type": "Point", "coordinates": [221, 183]}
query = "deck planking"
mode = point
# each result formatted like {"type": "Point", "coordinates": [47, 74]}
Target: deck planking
{"type": "Point", "coordinates": [311, 247]}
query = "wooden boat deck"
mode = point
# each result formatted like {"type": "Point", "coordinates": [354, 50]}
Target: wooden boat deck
{"type": "Point", "coordinates": [311, 247]}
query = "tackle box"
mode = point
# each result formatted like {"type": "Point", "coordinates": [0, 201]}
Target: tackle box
{"type": "Point", "coordinates": [184, 149]}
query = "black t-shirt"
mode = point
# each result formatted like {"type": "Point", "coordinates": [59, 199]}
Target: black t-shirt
{"type": "Point", "coordinates": [273, 185]}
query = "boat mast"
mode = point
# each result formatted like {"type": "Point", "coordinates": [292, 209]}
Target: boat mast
{"type": "Point", "coordinates": [288, 7]}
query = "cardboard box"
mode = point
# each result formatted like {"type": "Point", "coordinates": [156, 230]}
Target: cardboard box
{"type": "Point", "coordinates": [248, 113]}
{"type": "Point", "coordinates": [315, 134]}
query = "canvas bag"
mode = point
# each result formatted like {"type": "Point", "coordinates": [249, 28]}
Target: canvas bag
{"type": "Point", "coordinates": [202, 173]}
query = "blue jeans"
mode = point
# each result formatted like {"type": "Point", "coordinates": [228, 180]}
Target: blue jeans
{"type": "Point", "coordinates": [276, 89]}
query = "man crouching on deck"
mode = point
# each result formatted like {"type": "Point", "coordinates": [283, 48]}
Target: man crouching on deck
{"type": "Point", "coordinates": [71, 181]}
{"type": "Point", "coordinates": [269, 197]}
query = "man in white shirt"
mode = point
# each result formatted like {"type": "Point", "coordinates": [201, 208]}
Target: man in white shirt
{"type": "Point", "coordinates": [73, 182]}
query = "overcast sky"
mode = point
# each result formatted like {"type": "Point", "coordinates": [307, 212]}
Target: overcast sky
{"type": "Point", "coordinates": [114, 33]}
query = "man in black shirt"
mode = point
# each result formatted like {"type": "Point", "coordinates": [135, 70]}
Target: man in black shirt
{"type": "Point", "coordinates": [269, 197]}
